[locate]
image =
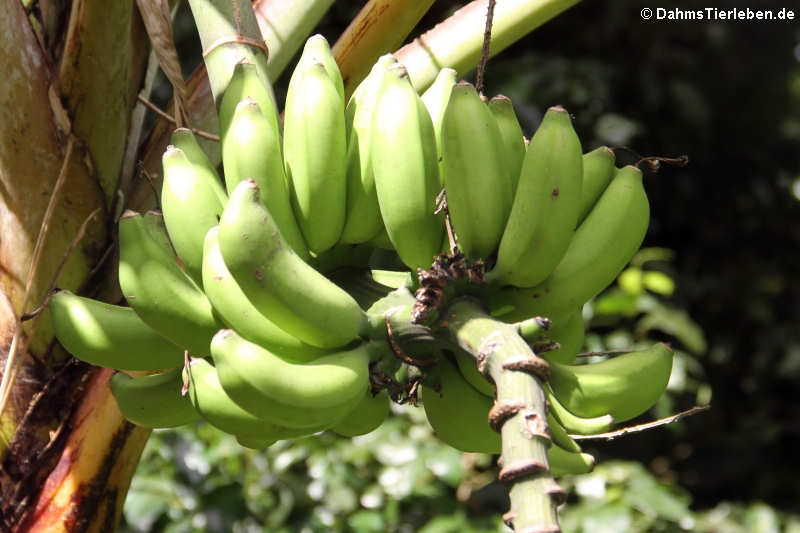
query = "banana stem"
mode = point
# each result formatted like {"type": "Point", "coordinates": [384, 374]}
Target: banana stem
{"type": "Point", "coordinates": [229, 34]}
{"type": "Point", "coordinates": [519, 413]}
{"type": "Point", "coordinates": [457, 41]}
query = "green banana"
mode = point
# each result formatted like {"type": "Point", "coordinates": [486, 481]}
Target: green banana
{"type": "Point", "coordinates": [252, 149]}
{"type": "Point", "coordinates": [315, 151]}
{"type": "Point", "coordinates": [513, 140]}
{"type": "Point", "coordinates": [184, 139]}
{"type": "Point", "coordinates": [283, 287]}
{"type": "Point", "coordinates": [109, 335]}
{"type": "Point", "coordinates": [318, 50]}
{"type": "Point", "coordinates": [392, 278]}
{"type": "Point", "coordinates": [246, 82]}
{"type": "Point", "coordinates": [153, 401]}
{"type": "Point", "coordinates": [162, 294]}
{"type": "Point", "coordinates": [600, 249]}
{"type": "Point", "coordinates": [569, 333]}
{"type": "Point", "coordinates": [563, 462]}
{"type": "Point", "coordinates": [476, 175]}
{"type": "Point", "coordinates": [236, 310]}
{"type": "Point", "coordinates": [406, 170]}
{"type": "Point", "coordinates": [435, 99]}
{"type": "Point", "coordinates": [458, 413]}
{"type": "Point", "coordinates": [363, 220]}
{"type": "Point", "coordinates": [382, 241]}
{"type": "Point", "coordinates": [215, 407]}
{"type": "Point", "coordinates": [192, 200]}
{"type": "Point", "coordinates": [574, 423]}
{"type": "Point", "coordinates": [545, 210]}
{"type": "Point", "coordinates": [469, 371]}
{"type": "Point", "coordinates": [559, 435]}
{"type": "Point", "coordinates": [624, 386]}
{"type": "Point", "coordinates": [366, 417]}
{"type": "Point", "coordinates": [598, 169]}
{"type": "Point", "coordinates": [289, 394]}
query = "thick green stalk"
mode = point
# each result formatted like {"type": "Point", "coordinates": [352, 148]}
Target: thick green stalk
{"type": "Point", "coordinates": [285, 27]}
{"type": "Point", "coordinates": [457, 42]}
{"type": "Point", "coordinates": [519, 413]}
{"type": "Point", "coordinates": [229, 34]}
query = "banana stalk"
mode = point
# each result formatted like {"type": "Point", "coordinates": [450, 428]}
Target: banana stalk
{"type": "Point", "coordinates": [519, 412]}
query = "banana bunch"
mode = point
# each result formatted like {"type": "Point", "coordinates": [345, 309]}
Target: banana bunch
{"type": "Point", "coordinates": [247, 303]}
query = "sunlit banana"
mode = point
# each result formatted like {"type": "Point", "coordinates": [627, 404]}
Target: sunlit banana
{"type": "Point", "coordinates": [511, 132]}
{"type": "Point", "coordinates": [624, 386]}
{"type": "Point", "coordinates": [363, 220]}
{"type": "Point", "coordinates": [569, 332]}
{"type": "Point", "coordinates": [435, 99]}
{"type": "Point", "coordinates": [366, 417]}
{"type": "Point", "coordinates": [109, 335]}
{"type": "Point", "coordinates": [295, 395]}
{"type": "Point", "coordinates": [315, 152]}
{"type": "Point", "coordinates": [406, 171]}
{"type": "Point", "coordinates": [284, 288]}
{"type": "Point", "coordinates": [153, 401]}
{"type": "Point", "coordinates": [476, 175]}
{"type": "Point", "coordinates": [318, 50]}
{"type": "Point", "coordinates": [162, 294]}
{"type": "Point", "coordinates": [251, 149]}
{"type": "Point", "coordinates": [246, 82]}
{"type": "Point", "coordinates": [546, 204]}
{"type": "Point", "coordinates": [458, 413]}
{"type": "Point", "coordinates": [468, 368]}
{"type": "Point", "coordinates": [236, 310]}
{"type": "Point", "coordinates": [574, 423]}
{"type": "Point", "coordinates": [600, 249]}
{"type": "Point", "coordinates": [215, 407]}
{"type": "Point", "coordinates": [192, 200]}
{"type": "Point", "coordinates": [563, 462]}
{"type": "Point", "coordinates": [559, 436]}
{"type": "Point", "coordinates": [598, 169]}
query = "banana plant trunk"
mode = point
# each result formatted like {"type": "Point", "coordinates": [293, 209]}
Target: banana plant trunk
{"type": "Point", "coordinates": [69, 141]}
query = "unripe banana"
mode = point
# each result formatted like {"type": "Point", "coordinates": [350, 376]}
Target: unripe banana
{"type": "Point", "coordinates": [435, 99]}
{"type": "Point", "coordinates": [458, 413]}
{"type": "Point", "coordinates": [600, 249]}
{"type": "Point", "coordinates": [315, 152]}
{"type": "Point", "coordinates": [366, 417]}
{"type": "Point", "coordinates": [598, 169]}
{"type": "Point", "coordinates": [162, 294]}
{"type": "Point", "coordinates": [545, 210]}
{"type": "Point", "coordinates": [289, 394]}
{"type": "Point", "coordinates": [251, 149]}
{"type": "Point", "coordinates": [246, 82]}
{"type": "Point", "coordinates": [569, 333]}
{"type": "Point", "coordinates": [406, 171]}
{"type": "Point", "coordinates": [192, 200]}
{"type": "Point", "coordinates": [363, 221]}
{"type": "Point", "coordinates": [563, 462]}
{"type": "Point", "coordinates": [318, 50]}
{"type": "Point", "coordinates": [283, 287]}
{"type": "Point", "coordinates": [184, 139]}
{"type": "Point", "coordinates": [476, 177]}
{"type": "Point", "coordinates": [574, 423]}
{"type": "Point", "coordinates": [513, 139]}
{"type": "Point", "coordinates": [215, 407]}
{"type": "Point", "coordinates": [381, 240]}
{"type": "Point", "coordinates": [153, 401]}
{"type": "Point", "coordinates": [236, 310]}
{"type": "Point", "coordinates": [469, 371]}
{"type": "Point", "coordinates": [559, 435]}
{"type": "Point", "coordinates": [109, 335]}
{"type": "Point", "coordinates": [624, 386]}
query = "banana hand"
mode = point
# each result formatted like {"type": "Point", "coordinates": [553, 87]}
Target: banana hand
{"type": "Point", "coordinates": [624, 386]}
{"type": "Point", "coordinates": [297, 298]}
